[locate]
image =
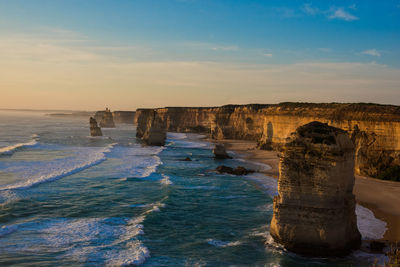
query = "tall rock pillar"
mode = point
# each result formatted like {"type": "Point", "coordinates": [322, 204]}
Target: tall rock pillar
{"type": "Point", "coordinates": [314, 212]}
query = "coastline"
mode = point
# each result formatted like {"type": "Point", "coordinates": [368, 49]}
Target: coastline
{"type": "Point", "coordinates": [381, 197]}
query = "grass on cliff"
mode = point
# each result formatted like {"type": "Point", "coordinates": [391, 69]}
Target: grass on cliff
{"type": "Point", "coordinates": [391, 173]}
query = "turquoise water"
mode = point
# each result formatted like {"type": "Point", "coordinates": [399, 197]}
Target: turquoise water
{"type": "Point", "coordinates": [67, 199]}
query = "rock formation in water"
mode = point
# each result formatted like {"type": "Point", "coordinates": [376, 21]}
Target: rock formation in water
{"type": "Point", "coordinates": [376, 127]}
{"type": "Point", "coordinates": [239, 170]}
{"type": "Point", "coordinates": [220, 152]}
{"type": "Point", "coordinates": [151, 128]}
{"type": "Point", "coordinates": [314, 213]}
{"type": "Point", "coordinates": [107, 120]}
{"type": "Point", "coordinates": [94, 129]}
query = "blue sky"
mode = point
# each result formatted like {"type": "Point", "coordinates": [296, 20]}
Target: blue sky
{"type": "Point", "coordinates": [347, 38]}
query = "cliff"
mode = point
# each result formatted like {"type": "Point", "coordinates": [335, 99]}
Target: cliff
{"type": "Point", "coordinates": [107, 120]}
{"type": "Point", "coordinates": [314, 212]}
{"type": "Point", "coordinates": [375, 129]}
{"type": "Point", "coordinates": [118, 116]}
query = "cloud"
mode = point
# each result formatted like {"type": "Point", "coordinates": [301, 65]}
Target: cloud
{"type": "Point", "coordinates": [340, 13]}
{"type": "Point", "coordinates": [267, 55]}
{"type": "Point", "coordinates": [371, 52]}
{"type": "Point", "coordinates": [309, 10]}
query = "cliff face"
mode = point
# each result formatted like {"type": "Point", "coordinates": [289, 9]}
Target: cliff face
{"type": "Point", "coordinates": [314, 212]}
{"type": "Point", "coordinates": [118, 116]}
{"type": "Point", "coordinates": [375, 129]}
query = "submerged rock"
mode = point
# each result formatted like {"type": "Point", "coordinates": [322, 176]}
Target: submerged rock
{"type": "Point", "coordinates": [94, 129]}
{"type": "Point", "coordinates": [220, 152]}
{"type": "Point", "coordinates": [107, 120]}
{"type": "Point", "coordinates": [237, 171]}
{"type": "Point", "coordinates": [187, 159]}
{"type": "Point", "coordinates": [314, 213]}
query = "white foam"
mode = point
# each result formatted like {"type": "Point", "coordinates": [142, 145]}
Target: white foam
{"type": "Point", "coordinates": [369, 226]}
{"type": "Point", "coordinates": [35, 173]}
{"type": "Point", "coordinates": [188, 144]}
{"type": "Point", "coordinates": [222, 244]}
{"type": "Point", "coordinates": [166, 180]}
{"type": "Point", "coordinates": [8, 150]}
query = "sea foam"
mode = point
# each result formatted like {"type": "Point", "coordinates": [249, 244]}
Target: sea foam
{"type": "Point", "coordinates": [8, 150]}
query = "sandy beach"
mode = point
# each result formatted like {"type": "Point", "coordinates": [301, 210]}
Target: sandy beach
{"type": "Point", "coordinates": [381, 197]}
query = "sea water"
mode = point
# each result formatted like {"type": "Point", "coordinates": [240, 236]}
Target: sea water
{"type": "Point", "coordinates": [68, 199]}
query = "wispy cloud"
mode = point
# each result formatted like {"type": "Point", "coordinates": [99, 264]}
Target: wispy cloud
{"type": "Point", "coordinates": [267, 55]}
{"type": "Point", "coordinates": [309, 10]}
{"type": "Point", "coordinates": [340, 13]}
{"type": "Point", "coordinates": [371, 52]}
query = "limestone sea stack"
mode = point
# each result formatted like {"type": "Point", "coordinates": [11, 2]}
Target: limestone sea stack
{"type": "Point", "coordinates": [94, 129]}
{"type": "Point", "coordinates": [107, 120]}
{"type": "Point", "coordinates": [151, 128]}
{"type": "Point", "coordinates": [220, 152]}
{"type": "Point", "coordinates": [314, 212]}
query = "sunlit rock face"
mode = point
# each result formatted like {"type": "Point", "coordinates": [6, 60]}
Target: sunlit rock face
{"type": "Point", "coordinates": [94, 129]}
{"type": "Point", "coordinates": [151, 128]}
{"type": "Point", "coordinates": [314, 212]}
{"type": "Point", "coordinates": [375, 129]}
{"type": "Point", "coordinates": [107, 120]}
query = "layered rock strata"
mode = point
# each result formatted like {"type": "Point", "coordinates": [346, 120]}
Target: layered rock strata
{"type": "Point", "coordinates": [107, 120]}
{"type": "Point", "coordinates": [118, 116]}
{"type": "Point", "coordinates": [375, 129]}
{"type": "Point", "coordinates": [94, 129]}
{"type": "Point", "coordinates": [151, 128]}
{"type": "Point", "coordinates": [314, 212]}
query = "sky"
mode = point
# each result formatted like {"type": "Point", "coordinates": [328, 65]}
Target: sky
{"type": "Point", "coordinates": [128, 54]}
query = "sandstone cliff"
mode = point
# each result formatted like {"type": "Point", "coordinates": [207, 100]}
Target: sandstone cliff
{"type": "Point", "coordinates": [107, 120]}
{"type": "Point", "coordinates": [151, 128]}
{"type": "Point", "coordinates": [118, 116]}
{"type": "Point", "coordinates": [314, 212]}
{"type": "Point", "coordinates": [375, 129]}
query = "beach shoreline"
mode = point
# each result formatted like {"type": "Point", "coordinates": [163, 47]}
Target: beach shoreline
{"type": "Point", "coordinates": [381, 197]}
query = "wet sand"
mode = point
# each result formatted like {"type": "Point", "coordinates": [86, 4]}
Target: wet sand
{"type": "Point", "coordinates": [381, 197]}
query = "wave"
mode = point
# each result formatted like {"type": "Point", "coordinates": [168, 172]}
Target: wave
{"type": "Point", "coordinates": [165, 180]}
{"type": "Point", "coordinates": [8, 150]}
{"type": "Point", "coordinates": [369, 226]}
{"type": "Point", "coordinates": [258, 166]}
{"type": "Point", "coordinates": [110, 241]}
{"type": "Point", "coordinates": [176, 136]}
{"type": "Point", "coordinates": [34, 173]}
{"type": "Point", "coordinates": [222, 244]}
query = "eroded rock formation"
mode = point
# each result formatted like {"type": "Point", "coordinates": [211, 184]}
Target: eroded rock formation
{"type": "Point", "coordinates": [314, 212]}
{"type": "Point", "coordinates": [239, 170]}
{"type": "Point", "coordinates": [376, 127]}
{"type": "Point", "coordinates": [94, 129]}
{"type": "Point", "coordinates": [107, 120]}
{"type": "Point", "coordinates": [151, 128]}
{"type": "Point", "coordinates": [220, 152]}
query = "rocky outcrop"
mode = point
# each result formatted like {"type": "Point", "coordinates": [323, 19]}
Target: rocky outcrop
{"type": "Point", "coordinates": [220, 152]}
{"type": "Point", "coordinates": [239, 170]}
{"type": "Point", "coordinates": [124, 116]}
{"type": "Point", "coordinates": [314, 212]}
{"type": "Point", "coordinates": [118, 116]}
{"type": "Point", "coordinates": [376, 127]}
{"type": "Point", "coordinates": [107, 120]}
{"type": "Point", "coordinates": [94, 129]}
{"type": "Point", "coordinates": [151, 128]}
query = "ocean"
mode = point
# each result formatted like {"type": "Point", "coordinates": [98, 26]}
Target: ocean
{"type": "Point", "coordinates": [68, 199]}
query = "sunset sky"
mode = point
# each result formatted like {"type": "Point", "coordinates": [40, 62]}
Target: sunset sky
{"type": "Point", "coordinates": [126, 54]}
